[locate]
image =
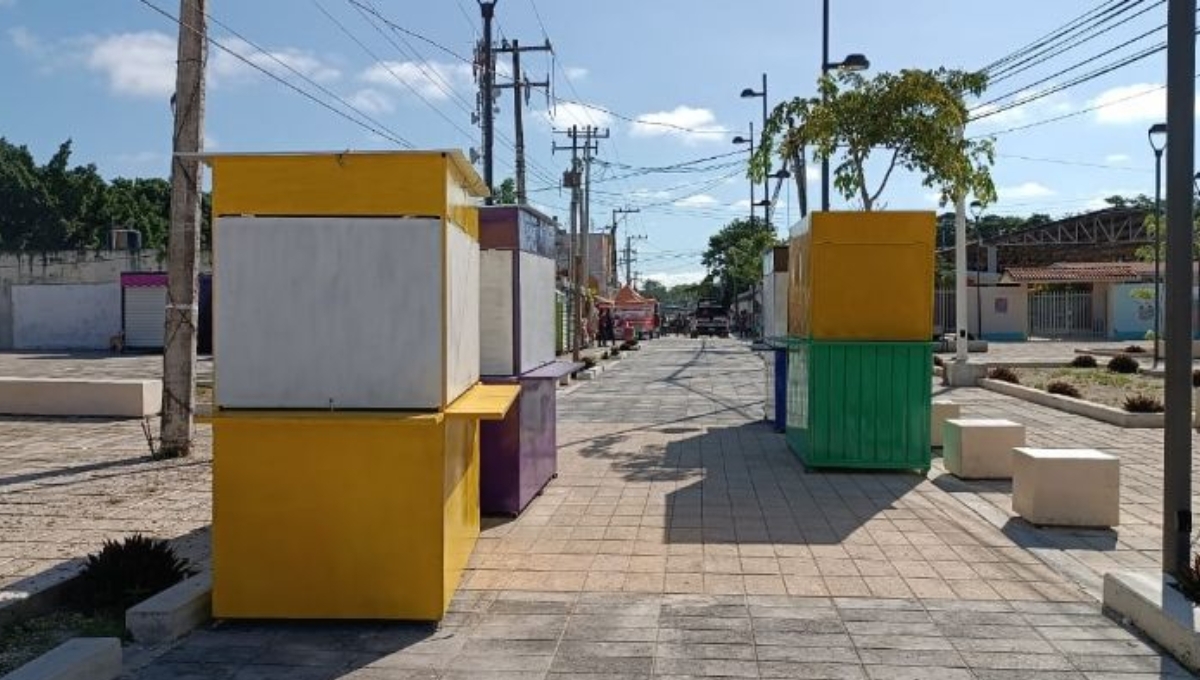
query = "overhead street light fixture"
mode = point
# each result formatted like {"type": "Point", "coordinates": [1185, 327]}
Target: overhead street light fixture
{"type": "Point", "coordinates": [980, 260]}
{"type": "Point", "coordinates": [1157, 136]}
{"type": "Point", "coordinates": [749, 141]}
{"type": "Point", "coordinates": [852, 62]}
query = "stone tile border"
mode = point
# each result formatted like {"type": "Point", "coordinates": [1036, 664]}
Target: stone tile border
{"type": "Point", "coordinates": [75, 659]}
{"type": "Point", "coordinates": [1078, 407]}
{"type": "Point", "coordinates": [1151, 604]}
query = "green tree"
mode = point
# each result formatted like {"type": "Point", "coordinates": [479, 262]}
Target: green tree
{"type": "Point", "coordinates": [734, 255]}
{"type": "Point", "coordinates": [916, 117]}
{"type": "Point", "coordinates": [654, 289]}
{"type": "Point", "coordinates": [506, 193]}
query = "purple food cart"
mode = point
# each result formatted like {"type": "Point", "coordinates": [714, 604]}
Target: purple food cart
{"type": "Point", "coordinates": [518, 455]}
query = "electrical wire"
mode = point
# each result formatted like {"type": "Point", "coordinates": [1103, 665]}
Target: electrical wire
{"type": "Point", "coordinates": [1054, 34]}
{"type": "Point", "coordinates": [363, 121]}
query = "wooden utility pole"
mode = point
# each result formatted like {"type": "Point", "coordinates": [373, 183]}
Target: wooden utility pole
{"type": "Point", "coordinates": [179, 350]}
{"type": "Point", "coordinates": [592, 135]}
{"type": "Point", "coordinates": [571, 180]}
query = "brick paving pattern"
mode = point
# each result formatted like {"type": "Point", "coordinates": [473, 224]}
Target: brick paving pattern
{"type": "Point", "coordinates": [682, 539]}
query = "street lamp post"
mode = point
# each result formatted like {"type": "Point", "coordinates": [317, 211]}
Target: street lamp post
{"type": "Point", "coordinates": [750, 141]}
{"type": "Point", "coordinates": [977, 213]}
{"type": "Point", "coordinates": [852, 62]}
{"type": "Point", "coordinates": [1157, 134]}
{"type": "Point", "coordinates": [749, 93]}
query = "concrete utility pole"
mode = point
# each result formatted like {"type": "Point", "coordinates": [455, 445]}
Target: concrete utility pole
{"type": "Point", "coordinates": [486, 95]}
{"type": "Point", "coordinates": [629, 239]}
{"type": "Point", "coordinates": [572, 180]}
{"type": "Point", "coordinates": [179, 351]}
{"type": "Point", "coordinates": [1177, 439]}
{"type": "Point", "coordinates": [521, 87]}
{"type": "Point", "coordinates": [615, 282]}
{"type": "Point", "coordinates": [591, 146]}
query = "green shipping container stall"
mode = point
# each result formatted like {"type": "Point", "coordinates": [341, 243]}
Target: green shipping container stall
{"type": "Point", "coordinates": [859, 404]}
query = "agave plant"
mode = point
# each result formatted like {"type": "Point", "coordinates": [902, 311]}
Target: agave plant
{"type": "Point", "coordinates": [125, 573]}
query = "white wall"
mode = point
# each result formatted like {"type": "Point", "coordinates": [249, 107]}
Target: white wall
{"type": "Point", "coordinates": [65, 316]}
{"type": "Point", "coordinates": [462, 315]}
{"type": "Point", "coordinates": [774, 304]}
{"type": "Point", "coordinates": [496, 312]}
{"type": "Point", "coordinates": [537, 311]}
{"type": "Point", "coordinates": [313, 311]}
{"type": "Point", "coordinates": [1005, 312]}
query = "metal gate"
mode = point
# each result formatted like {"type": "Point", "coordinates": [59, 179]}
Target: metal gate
{"type": "Point", "coordinates": [944, 311]}
{"type": "Point", "coordinates": [1064, 314]}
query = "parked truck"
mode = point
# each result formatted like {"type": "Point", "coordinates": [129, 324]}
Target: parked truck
{"type": "Point", "coordinates": [710, 318]}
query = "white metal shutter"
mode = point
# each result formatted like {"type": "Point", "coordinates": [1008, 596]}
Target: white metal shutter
{"type": "Point", "coordinates": [145, 317]}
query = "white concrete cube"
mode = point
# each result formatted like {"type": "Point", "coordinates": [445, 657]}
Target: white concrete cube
{"type": "Point", "coordinates": [80, 397]}
{"type": "Point", "coordinates": [1067, 487]}
{"type": "Point", "coordinates": [978, 448]}
{"type": "Point", "coordinates": [942, 411]}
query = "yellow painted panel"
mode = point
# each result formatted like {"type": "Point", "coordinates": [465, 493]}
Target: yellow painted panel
{"type": "Point", "coordinates": [486, 402]}
{"type": "Point", "coordinates": [420, 183]}
{"type": "Point", "coordinates": [332, 517]}
{"type": "Point", "coordinates": [799, 288]}
{"type": "Point", "coordinates": [460, 495]}
{"type": "Point", "coordinates": [866, 276]}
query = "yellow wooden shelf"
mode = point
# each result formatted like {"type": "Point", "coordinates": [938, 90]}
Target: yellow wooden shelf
{"type": "Point", "coordinates": [486, 402]}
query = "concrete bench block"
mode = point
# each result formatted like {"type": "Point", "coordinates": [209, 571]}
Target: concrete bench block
{"type": "Point", "coordinates": [75, 659]}
{"type": "Point", "coordinates": [941, 412]}
{"type": "Point", "coordinates": [80, 397]}
{"type": "Point", "coordinates": [1067, 487]}
{"type": "Point", "coordinates": [173, 613]}
{"type": "Point", "coordinates": [977, 448]}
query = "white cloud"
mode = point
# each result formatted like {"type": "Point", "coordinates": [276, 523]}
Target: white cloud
{"type": "Point", "coordinates": [25, 41]}
{"type": "Point", "coordinates": [283, 62]}
{"type": "Point", "coordinates": [646, 195]}
{"type": "Point", "coordinates": [697, 201]}
{"type": "Point", "coordinates": [137, 64]}
{"type": "Point", "coordinates": [1136, 103]}
{"type": "Point", "coordinates": [566, 115]}
{"type": "Point", "coordinates": [371, 101]}
{"type": "Point", "coordinates": [1117, 158]}
{"type": "Point", "coordinates": [675, 278]}
{"type": "Point", "coordinates": [689, 124]}
{"type": "Point", "coordinates": [576, 73]}
{"type": "Point", "coordinates": [1024, 190]}
{"type": "Point", "coordinates": [434, 80]}
{"type": "Point", "coordinates": [740, 206]}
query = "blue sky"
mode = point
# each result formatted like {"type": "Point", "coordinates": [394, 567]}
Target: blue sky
{"type": "Point", "coordinates": [101, 72]}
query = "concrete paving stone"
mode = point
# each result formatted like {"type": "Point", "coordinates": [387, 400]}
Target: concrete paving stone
{"type": "Point", "coordinates": [887, 615]}
{"type": "Point", "coordinates": [1008, 645]}
{"type": "Point", "coordinates": [724, 668]}
{"type": "Point", "coordinates": [903, 642]}
{"type": "Point", "coordinates": [491, 663]}
{"type": "Point", "coordinates": [890, 628]}
{"type": "Point", "coordinates": [717, 637]}
{"type": "Point", "coordinates": [1125, 664]}
{"type": "Point", "coordinates": [810, 654]}
{"type": "Point", "coordinates": [911, 673]}
{"type": "Point", "coordinates": [910, 657]}
{"type": "Point", "coordinates": [707, 651]}
{"type": "Point", "coordinates": [1000, 674]}
{"type": "Point", "coordinates": [614, 649]}
{"type": "Point", "coordinates": [1021, 662]}
{"type": "Point", "coordinates": [602, 664]}
{"type": "Point", "coordinates": [811, 671]}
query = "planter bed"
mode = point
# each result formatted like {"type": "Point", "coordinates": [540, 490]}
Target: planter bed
{"type": "Point", "coordinates": [1079, 407]}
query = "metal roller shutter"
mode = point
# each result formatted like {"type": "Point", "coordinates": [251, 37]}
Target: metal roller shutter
{"type": "Point", "coordinates": [145, 317]}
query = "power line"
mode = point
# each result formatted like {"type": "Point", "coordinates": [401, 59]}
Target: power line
{"type": "Point", "coordinates": [1072, 114]}
{"type": "Point", "coordinates": [372, 126]}
{"type": "Point", "coordinates": [388, 67]}
{"type": "Point", "coordinates": [1082, 164]}
{"type": "Point", "coordinates": [1078, 80]}
{"type": "Point", "coordinates": [1054, 34]}
{"type": "Point", "coordinates": [413, 34]}
{"type": "Point", "coordinates": [1070, 42]}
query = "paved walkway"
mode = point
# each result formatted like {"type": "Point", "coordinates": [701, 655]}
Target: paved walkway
{"type": "Point", "coordinates": [681, 539]}
{"type": "Point", "coordinates": [1083, 554]}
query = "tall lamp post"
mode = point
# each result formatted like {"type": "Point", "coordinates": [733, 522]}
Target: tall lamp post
{"type": "Point", "coordinates": [1157, 134]}
{"type": "Point", "coordinates": [750, 141]}
{"type": "Point", "coordinates": [977, 213]}
{"type": "Point", "coordinates": [852, 62]}
{"type": "Point", "coordinates": [749, 93]}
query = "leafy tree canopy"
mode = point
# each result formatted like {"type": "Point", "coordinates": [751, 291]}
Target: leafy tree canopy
{"type": "Point", "coordinates": [914, 117]}
{"type": "Point", "coordinates": [56, 206]}
{"type": "Point", "coordinates": [734, 255]}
